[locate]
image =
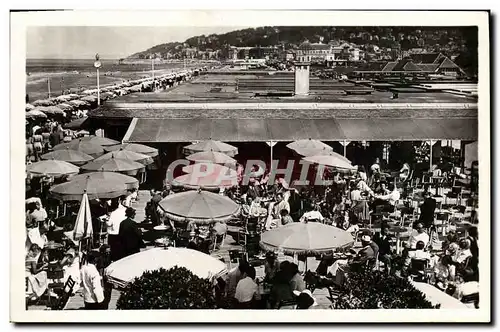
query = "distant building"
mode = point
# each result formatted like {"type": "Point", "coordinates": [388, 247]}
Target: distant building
{"type": "Point", "coordinates": [315, 53]}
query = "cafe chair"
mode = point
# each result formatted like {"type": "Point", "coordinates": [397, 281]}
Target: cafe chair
{"type": "Point", "coordinates": [418, 269]}
{"type": "Point", "coordinates": [441, 222]}
{"type": "Point", "coordinates": [67, 290]}
{"type": "Point", "coordinates": [287, 303]}
{"type": "Point", "coordinates": [455, 193]}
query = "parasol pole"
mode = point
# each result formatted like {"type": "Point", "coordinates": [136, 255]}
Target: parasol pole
{"type": "Point", "coordinates": [48, 85]}
{"type": "Point", "coordinates": [430, 157]}
{"type": "Point", "coordinates": [97, 65]}
{"type": "Point", "coordinates": [345, 147]}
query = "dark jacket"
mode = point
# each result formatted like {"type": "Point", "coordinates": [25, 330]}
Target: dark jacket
{"type": "Point", "coordinates": [130, 237]}
{"type": "Point", "coordinates": [427, 212]}
{"type": "Point", "coordinates": [384, 244]}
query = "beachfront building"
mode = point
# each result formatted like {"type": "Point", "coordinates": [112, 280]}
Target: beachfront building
{"type": "Point", "coordinates": [249, 109]}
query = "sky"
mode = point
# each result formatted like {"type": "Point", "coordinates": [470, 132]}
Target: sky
{"type": "Point", "coordinates": [110, 42]}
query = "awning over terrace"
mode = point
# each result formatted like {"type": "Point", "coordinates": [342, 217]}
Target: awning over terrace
{"type": "Point", "coordinates": [158, 130]}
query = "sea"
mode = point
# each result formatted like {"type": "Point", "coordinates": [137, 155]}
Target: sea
{"type": "Point", "coordinates": [50, 77]}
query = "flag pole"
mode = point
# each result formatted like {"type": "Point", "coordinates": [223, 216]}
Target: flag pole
{"type": "Point", "coordinates": [48, 83]}
{"type": "Point", "coordinates": [98, 90]}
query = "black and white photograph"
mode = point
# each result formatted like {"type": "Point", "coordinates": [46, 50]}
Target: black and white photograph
{"type": "Point", "coordinates": [251, 166]}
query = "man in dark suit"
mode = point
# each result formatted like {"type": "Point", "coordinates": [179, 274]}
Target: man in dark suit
{"type": "Point", "coordinates": [130, 236]}
{"type": "Point", "coordinates": [427, 210]}
{"type": "Point", "coordinates": [382, 239]}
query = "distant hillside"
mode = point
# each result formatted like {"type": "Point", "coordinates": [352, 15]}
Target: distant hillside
{"type": "Point", "coordinates": [455, 39]}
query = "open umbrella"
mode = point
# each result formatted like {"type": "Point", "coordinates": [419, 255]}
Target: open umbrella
{"type": "Point", "coordinates": [36, 114]}
{"type": "Point", "coordinates": [89, 99]}
{"type": "Point", "coordinates": [78, 103]}
{"type": "Point", "coordinates": [95, 187]}
{"type": "Point", "coordinates": [53, 168]}
{"type": "Point", "coordinates": [65, 107]}
{"type": "Point", "coordinates": [129, 155]}
{"type": "Point", "coordinates": [83, 224]}
{"type": "Point", "coordinates": [29, 107]}
{"type": "Point", "coordinates": [62, 98]}
{"type": "Point", "coordinates": [209, 182]}
{"type": "Point", "coordinates": [102, 141]}
{"type": "Point", "coordinates": [71, 156]}
{"type": "Point", "coordinates": [212, 157]}
{"type": "Point", "coordinates": [89, 148]}
{"type": "Point", "coordinates": [211, 145]}
{"type": "Point", "coordinates": [138, 148]}
{"type": "Point", "coordinates": [113, 165]}
{"type": "Point", "coordinates": [130, 182]}
{"type": "Point", "coordinates": [43, 102]}
{"type": "Point", "coordinates": [306, 239]}
{"type": "Point", "coordinates": [320, 152]}
{"type": "Point", "coordinates": [77, 124]}
{"type": "Point", "coordinates": [332, 160]}
{"type": "Point", "coordinates": [309, 144]}
{"type": "Point", "coordinates": [199, 206]}
{"type": "Point", "coordinates": [53, 110]}
{"type": "Point", "coordinates": [121, 272]}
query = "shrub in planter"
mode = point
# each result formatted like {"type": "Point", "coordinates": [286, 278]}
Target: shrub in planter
{"type": "Point", "coordinates": [367, 289]}
{"type": "Point", "coordinates": [176, 288]}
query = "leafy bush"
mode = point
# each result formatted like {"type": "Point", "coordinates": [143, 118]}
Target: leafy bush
{"type": "Point", "coordinates": [367, 289]}
{"type": "Point", "coordinates": [176, 288]}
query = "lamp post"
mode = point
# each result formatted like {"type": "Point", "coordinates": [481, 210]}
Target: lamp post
{"type": "Point", "coordinates": [97, 65]}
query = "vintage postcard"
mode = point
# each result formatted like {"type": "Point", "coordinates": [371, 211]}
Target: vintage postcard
{"type": "Point", "coordinates": [247, 164]}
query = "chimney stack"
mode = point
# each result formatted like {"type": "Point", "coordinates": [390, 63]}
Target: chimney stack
{"type": "Point", "coordinates": [302, 77]}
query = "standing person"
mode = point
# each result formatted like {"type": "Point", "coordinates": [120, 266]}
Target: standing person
{"type": "Point", "coordinates": [427, 210]}
{"type": "Point", "coordinates": [113, 224]}
{"type": "Point", "coordinates": [130, 235]}
{"type": "Point", "coordinates": [93, 293]}
{"type": "Point", "coordinates": [382, 239]}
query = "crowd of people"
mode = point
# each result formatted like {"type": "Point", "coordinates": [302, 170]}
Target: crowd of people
{"type": "Point", "coordinates": [359, 203]}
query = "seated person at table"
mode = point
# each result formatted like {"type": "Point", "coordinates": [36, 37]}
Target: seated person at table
{"type": "Point", "coordinates": [460, 259]}
{"type": "Point", "coordinates": [247, 291]}
{"type": "Point", "coordinates": [388, 202]}
{"type": "Point", "coordinates": [442, 273]}
{"type": "Point", "coordinates": [365, 254]}
{"type": "Point", "coordinates": [451, 237]}
{"type": "Point", "coordinates": [234, 276]}
{"type": "Point", "coordinates": [404, 172]}
{"type": "Point", "coordinates": [382, 189]}
{"type": "Point", "coordinates": [35, 215]}
{"type": "Point", "coordinates": [418, 234]}
{"type": "Point", "coordinates": [296, 281]}
{"type": "Point", "coordinates": [361, 173]}
{"type": "Point", "coordinates": [271, 266]}
{"type": "Point", "coordinates": [37, 235]}
{"type": "Point", "coordinates": [36, 273]}
{"type": "Point", "coordinates": [419, 253]}
{"type": "Point", "coordinates": [280, 290]}
{"type": "Point", "coordinates": [427, 210]}
{"type": "Point", "coordinates": [312, 215]}
{"type": "Point", "coordinates": [285, 217]}
{"type": "Point", "coordinates": [305, 299]}
{"type": "Point", "coordinates": [375, 168]}
{"type": "Point", "coordinates": [219, 230]}
{"type": "Point", "coordinates": [191, 228]}
{"type": "Point", "coordinates": [246, 206]}
{"type": "Point", "coordinates": [382, 239]}
{"type": "Point", "coordinates": [281, 204]}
